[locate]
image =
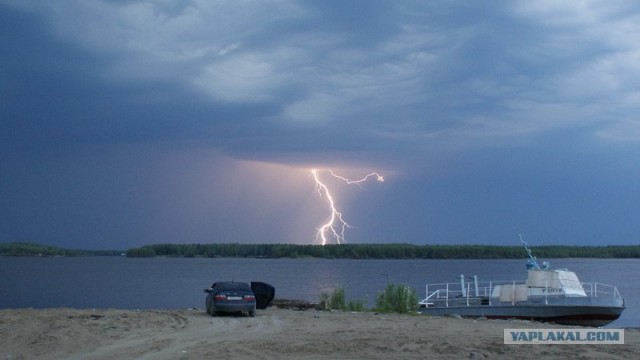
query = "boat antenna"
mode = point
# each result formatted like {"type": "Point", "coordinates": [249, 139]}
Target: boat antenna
{"type": "Point", "coordinates": [533, 262]}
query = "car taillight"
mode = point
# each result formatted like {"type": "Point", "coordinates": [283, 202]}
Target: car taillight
{"type": "Point", "coordinates": [220, 297]}
{"type": "Point", "coordinates": [249, 298]}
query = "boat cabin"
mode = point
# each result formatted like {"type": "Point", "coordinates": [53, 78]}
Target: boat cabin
{"type": "Point", "coordinates": [541, 283]}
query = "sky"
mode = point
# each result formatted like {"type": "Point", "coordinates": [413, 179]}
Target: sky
{"type": "Point", "coordinates": [125, 123]}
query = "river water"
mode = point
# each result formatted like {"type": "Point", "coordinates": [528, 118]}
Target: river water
{"type": "Point", "coordinates": [170, 283]}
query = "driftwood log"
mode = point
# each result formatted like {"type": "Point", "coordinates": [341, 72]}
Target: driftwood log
{"type": "Point", "coordinates": [296, 304]}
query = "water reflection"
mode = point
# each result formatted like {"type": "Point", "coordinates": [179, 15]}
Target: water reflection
{"type": "Point", "coordinates": [118, 282]}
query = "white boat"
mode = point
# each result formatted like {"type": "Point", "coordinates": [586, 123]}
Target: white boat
{"type": "Point", "coordinates": [546, 295]}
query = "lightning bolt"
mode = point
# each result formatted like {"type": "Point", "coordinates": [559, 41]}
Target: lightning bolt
{"type": "Point", "coordinates": [336, 225]}
{"type": "Point", "coordinates": [359, 181]}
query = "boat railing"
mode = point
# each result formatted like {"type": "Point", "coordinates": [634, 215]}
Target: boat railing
{"type": "Point", "coordinates": [474, 292]}
{"type": "Point", "coordinates": [596, 289]}
{"type": "Point", "coordinates": [471, 291]}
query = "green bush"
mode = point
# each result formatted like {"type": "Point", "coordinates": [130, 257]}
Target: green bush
{"type": "Point", "coordinates": [336, 300]}
{"type": "Point", "coordinates": [397, 298]}
{"type": "Point", "coordinates": [355, 305]}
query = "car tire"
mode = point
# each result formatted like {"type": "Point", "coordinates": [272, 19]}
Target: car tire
{"type": "Point", "coordinates": [252, 313]}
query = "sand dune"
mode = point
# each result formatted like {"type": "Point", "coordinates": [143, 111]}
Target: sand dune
{"type": "Point", "coordinates": [273, 334]}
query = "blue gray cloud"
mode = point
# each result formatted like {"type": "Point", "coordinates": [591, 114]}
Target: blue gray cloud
{"type": "Point", "coordinates": [519, 100]}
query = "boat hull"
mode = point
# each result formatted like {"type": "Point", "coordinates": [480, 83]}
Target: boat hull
{"type": "Point", "coordinates": [566, 314]}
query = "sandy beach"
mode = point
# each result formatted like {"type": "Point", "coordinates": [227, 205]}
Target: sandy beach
{"type": "Point", "coordinates": [274, 334]}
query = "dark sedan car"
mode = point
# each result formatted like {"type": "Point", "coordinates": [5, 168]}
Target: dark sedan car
{"type": "Point", "coordinates": [230, 297]}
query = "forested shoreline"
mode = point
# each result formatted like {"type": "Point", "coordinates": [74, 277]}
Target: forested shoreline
{"type": "Point", "coordinates": [380, 251]}
{"type": "Point", "coordinates": [33, 249]}
{"type": "Point", "coordinates": [343, 251]}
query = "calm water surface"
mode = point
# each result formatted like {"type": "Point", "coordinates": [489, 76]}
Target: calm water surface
{"type": "Point", "coordinates": [165, 283]}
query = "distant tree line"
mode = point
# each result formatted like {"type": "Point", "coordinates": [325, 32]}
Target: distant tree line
{"type": "Point", "coordinates": [32, 249]}
{"type": "Point", "coordinates": [381, 251]}
{"type": "Point", "coordinates": [343, 251]}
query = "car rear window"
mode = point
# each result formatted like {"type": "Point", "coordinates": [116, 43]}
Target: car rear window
{"type": "Point", "coordinates": [233, 286]}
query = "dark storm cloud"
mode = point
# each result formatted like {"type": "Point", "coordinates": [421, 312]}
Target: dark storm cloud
{"type": "Point", "coordinates": [505, 117]}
